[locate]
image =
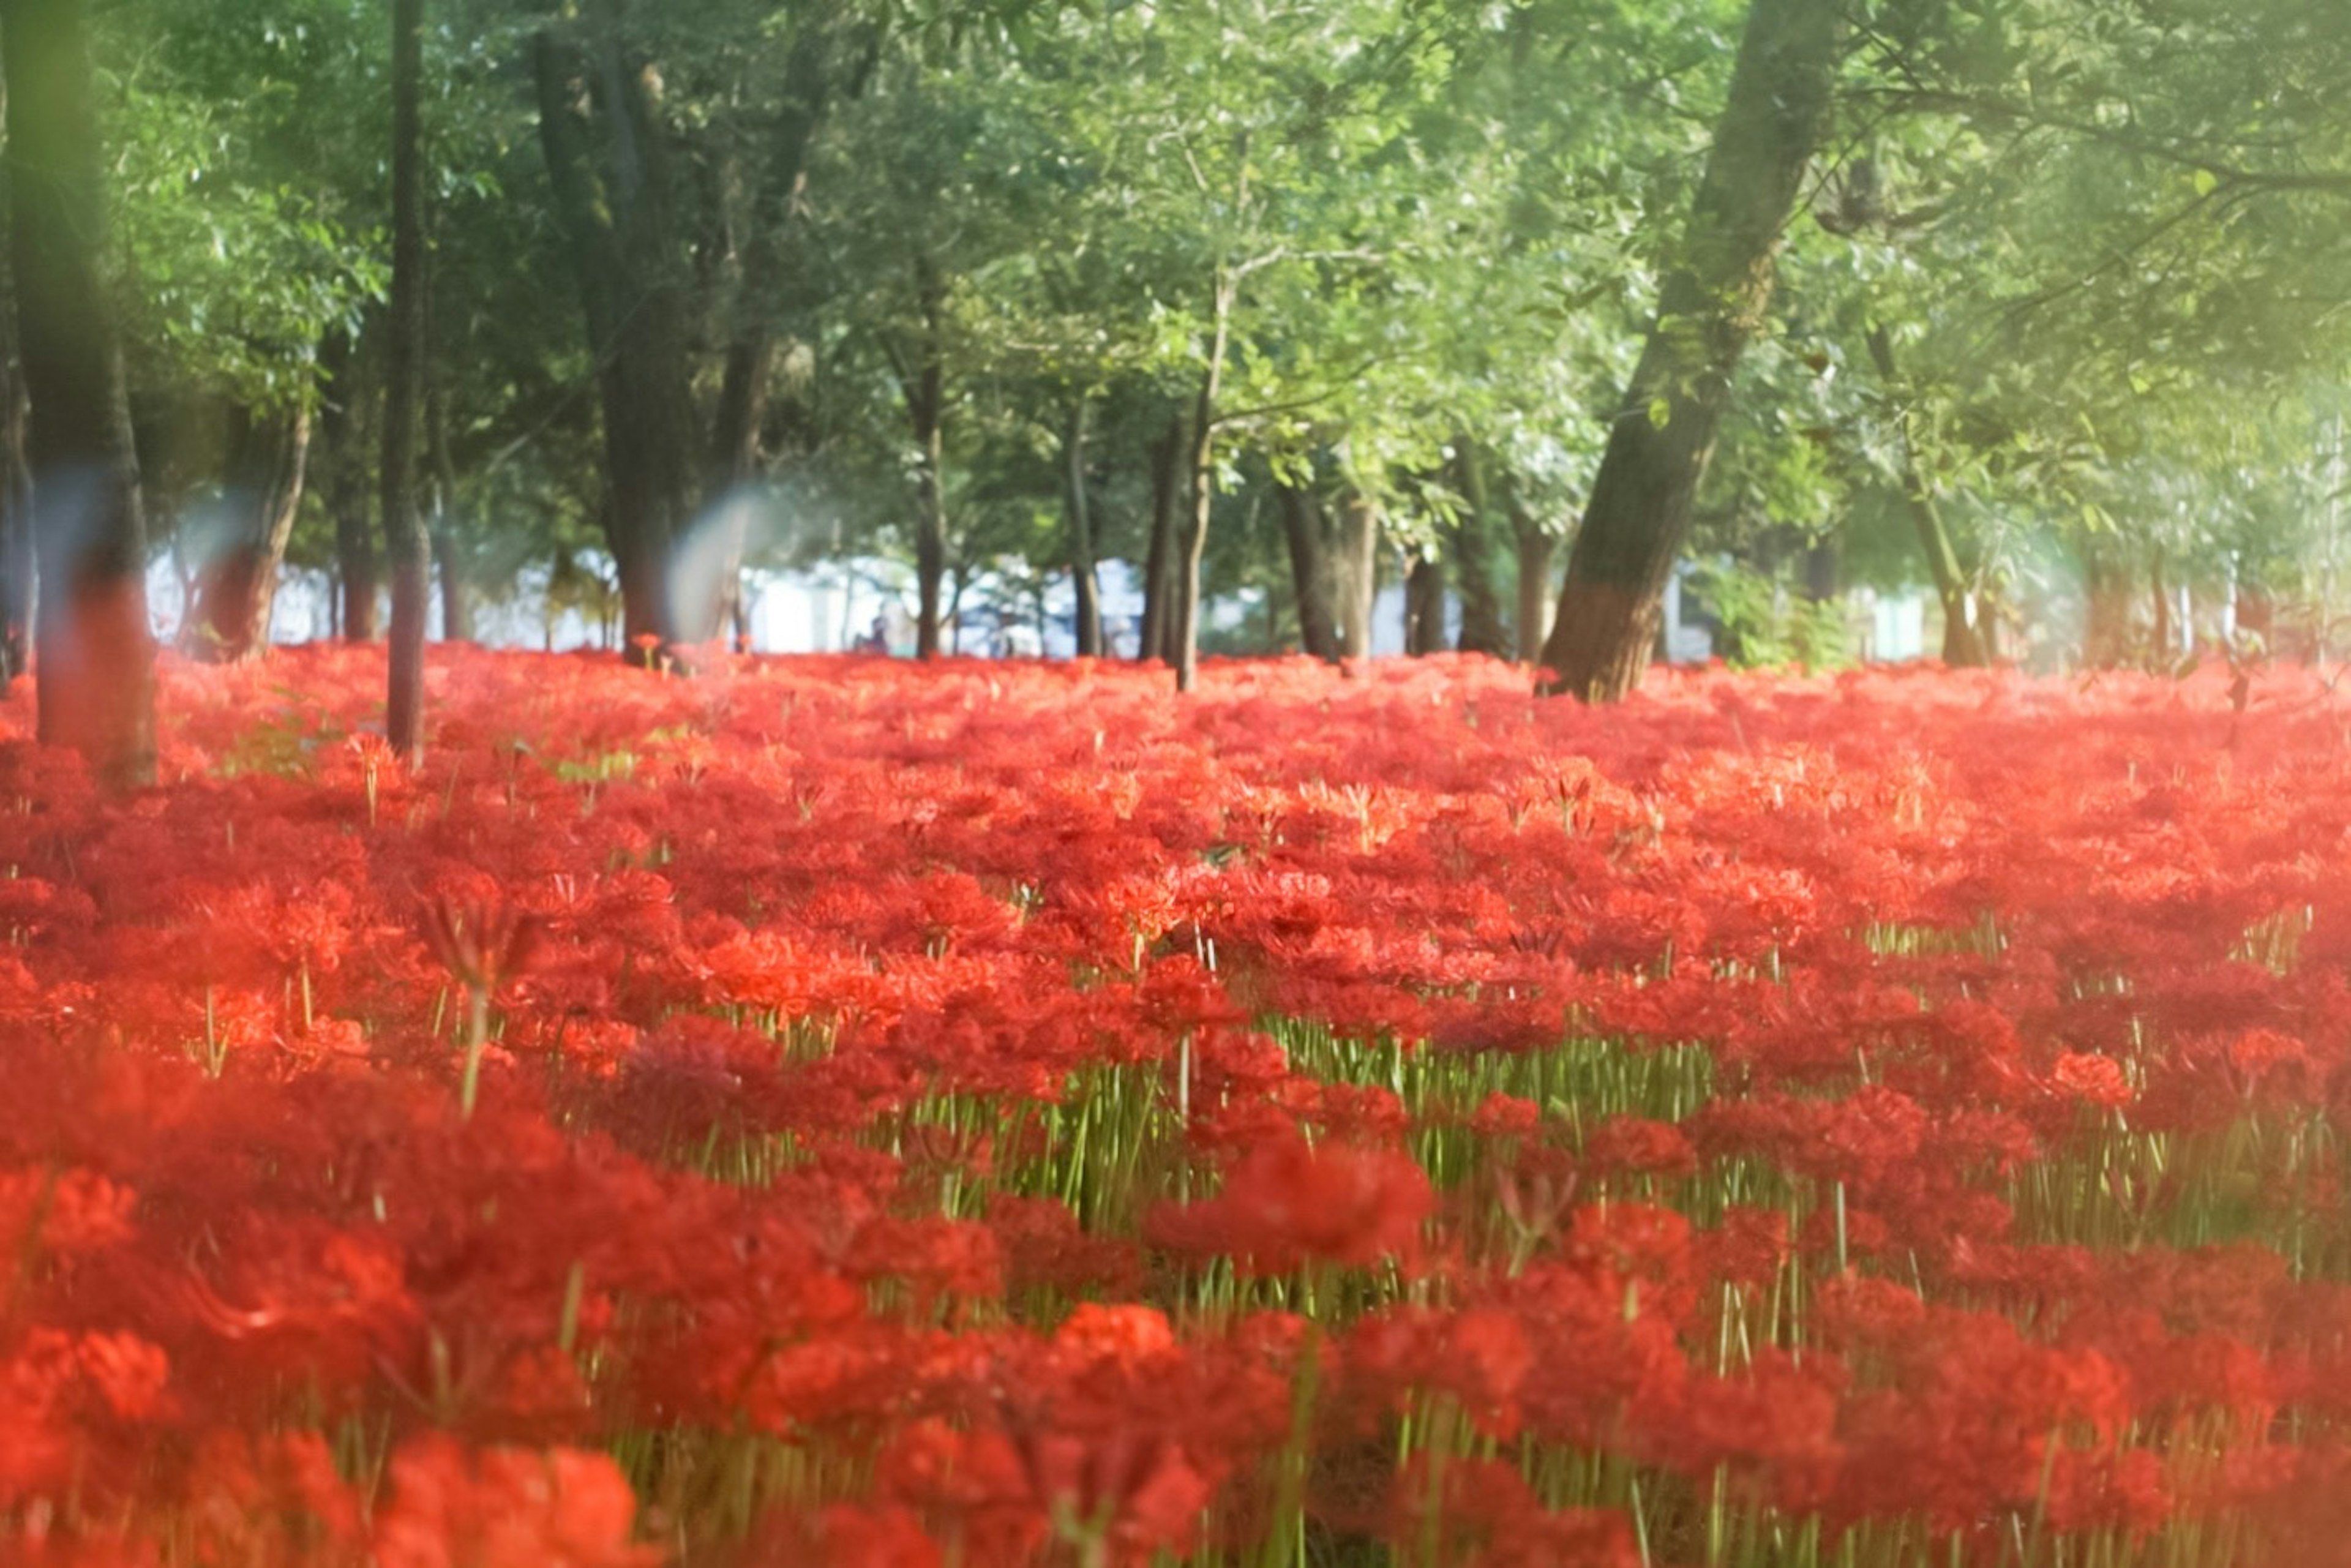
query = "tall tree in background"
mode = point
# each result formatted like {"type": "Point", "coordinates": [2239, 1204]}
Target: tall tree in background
{"type": "Point", "coordinates": [1712, 304]}
{"type": "Point", "coordinates": [405, 546]}
{"type": "Point", "coordinates": [95, 655]}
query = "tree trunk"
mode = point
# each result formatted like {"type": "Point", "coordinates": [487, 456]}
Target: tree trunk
{"type": "Point", "coordinates": [1200, 468]}
{"type": "Point", "coordinates": [1473, 552]}
{"type": "Point", "coordinates": [1357, 560]}
{"type": "Point", "coordinates": [344, 426]}
{"type": "Point", "coordinates": [95, 668]}
{"type": "Point", "coordinates": [237, 584]}
{"type": "Point", "coordinates": [1158, 567]}
{"type": "Point", "coordinates": [1965, 644]}
{"type": "Point", "coordinates": [2105, 591]}
{"type": "Point", "coordinates": [1424, 606]}
{"type": "Point", "coordinates": [1310, 571]}
{"type": "Point", "coordinates": [2162, 596]}
{"type": "Point", "coordinates": [448, 555]}
{"type": "Point", "coordinates": [1535, 549]}
{"type": "Point", "coordinates": [1713, 302]}
{"type": "Point", "coordinates": [617, 205]}
{"type": "Point", "coordinates": [1081, 535]}
{"type": "Point", "coordinates": [770, 216]}
{"type": "Point", "coordinates": [405, 547]}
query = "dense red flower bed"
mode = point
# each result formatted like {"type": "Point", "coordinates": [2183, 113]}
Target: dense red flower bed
{"type": "Point", "coordinates": [837, 1112]}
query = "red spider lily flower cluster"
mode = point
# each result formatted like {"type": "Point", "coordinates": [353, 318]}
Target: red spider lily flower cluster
{"type": "Point", "coordinates": [995, 1114]}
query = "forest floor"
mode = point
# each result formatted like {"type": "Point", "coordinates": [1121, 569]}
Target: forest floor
{"type": "Point", "coordinates": [834, 1111]}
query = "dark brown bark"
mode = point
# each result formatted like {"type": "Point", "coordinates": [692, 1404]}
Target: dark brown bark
{"type": "Point", "coordinates": [1964, 641]}
{"type": "Point", "coordinates": [1424, 606]}
{"type": "Point", "coordinates": [1310, 571]}
{"type": "Point", "coordinates": [405, 548]}
{"type": "Point", "coordinates": [1712, 303]}
{"type": "Point", "coordinates": [237, 584]}
{"type": "Point", "coordinates": [1355, 561]}
{"type": "Point", "coordinates": [95, 666]}
{"type": "Point", "coordinates": [1158, 560]}
{"type": "Point", "coordinates": [1472, 538]}
{"type": "Point", "coordinates": [607, 152]}
{"type": "Point", "coordinates": [344, 427]}
{"type": "Point", "coordinates": [1082, 534]}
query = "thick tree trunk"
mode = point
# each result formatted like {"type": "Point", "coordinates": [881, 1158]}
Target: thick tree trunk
{"type": "Point", "coordinates": [617, 204]}
{"type": "Point", "coordinates": [95, 667]}
{"type": "Point", "coordinates": [1424, 606]}
{"type": "Point", "coordinates": [1310, 571]}
{"type": "Point", "coordinates": [1357, 562]}
{"type": "Point", "coordinates": [405, 546]}
{"type": "Point", "coordinates": [1712, 303]}
{"type": "Point", "coordinates": [1081, 535]}
{"type": "Point", "coordinates": [237, 584]}
{"type": "Point", "coordinates": [344, 427]}
{"type": "Point", "coordinates": [1158, 560]}
{"type": "Point", "coordinates": [1482, 630]}
{"type": "Point", "coordinates": [1964, 643]}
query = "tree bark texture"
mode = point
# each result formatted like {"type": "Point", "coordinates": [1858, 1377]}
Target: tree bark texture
{"type": "Point", "coordinates": [237, 584]}
{"type": "Point", "coordinates": [407, 551]}
{"type": "Point", "coordinates": [1082, 534]}
{"type": "Point", "coordinates": [1310, 571]}
{"type": "Point", "coordinates": [1158, 560]}
{"type": "Point", "coordinates": [607, 152]}
{"type": "Point", "coordinates": [94, 646]}
{"type": "Point", "coordinates": [1712, 303]}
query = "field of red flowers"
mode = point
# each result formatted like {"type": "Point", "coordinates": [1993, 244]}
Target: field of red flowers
{"type": "Point", "coordinates": [838, 1112]}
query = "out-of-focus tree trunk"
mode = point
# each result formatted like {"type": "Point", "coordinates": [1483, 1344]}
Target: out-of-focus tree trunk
{"type": "Point", "coordinates": [95, 667]}
{"type": "Point", "coordinates": [1158, 571]}
{"type": "Point", "coordinates": [406, 549]}
{"type": "Point", "coordinates": [237, 584]}
{"type": "Point", "coordinates": [1310, 571]}
{"type": "Point", "coordinates": [1356, 566]}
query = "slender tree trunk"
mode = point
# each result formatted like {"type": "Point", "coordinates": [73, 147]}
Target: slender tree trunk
{"type": "Point", "coordinates": [1202, 467]}
{"type": "Point", "coordinates": [237, 584]}
{"type": "Point", "coordinates": [1310, 571]}
{"type": "Point", "coordinates": [1482, 630]}
{"type": "Point", "coordinates": [1158, 561]}
{"type": "Point", "coordinates": [95, 668]}
{"type": "Point", "coordinates": [1082, 534]}
{"type": "Point", "coordinates": [1357, 560]}
{"type": "Point", "coordinates": [1535, 549]}
{"type": "Point", "coordinates": [448, 556]}
{"type": "Point", "coordinates": [1424, 607]}
{"type": "Point", "coordinates": [1713, 302]}
{"type": "Point", "coordinates": [344, 427]}
{"type": "Point", "coordinates": [2162, 606]}
{"type": "Point", "coordinates": [2105, 591]}
{"type": "Point", "coordinates": [930, 510]}
{"type": "Point", "coordinates": [1965, 644]}
{"type": "Point", "coordinates": [617, 202]}
{"type": "Point", "coordinates": [406, 549]}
